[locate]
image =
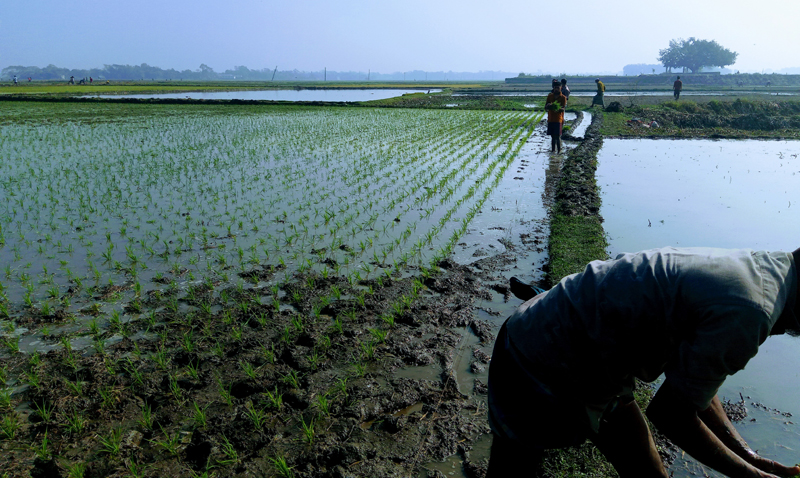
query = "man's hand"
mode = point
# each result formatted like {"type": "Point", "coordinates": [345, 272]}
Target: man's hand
{"type": "Point", "coordinates": [709, 436]}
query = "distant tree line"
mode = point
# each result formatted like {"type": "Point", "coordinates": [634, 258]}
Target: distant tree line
{"type": "Point", "coordinates": [205, 72]}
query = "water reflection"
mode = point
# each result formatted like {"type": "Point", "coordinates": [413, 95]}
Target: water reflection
{"type": "Point", "coordinates": [721, 194]}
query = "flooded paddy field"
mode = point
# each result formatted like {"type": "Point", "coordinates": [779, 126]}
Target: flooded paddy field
{"type": "Point", "coordinates": [189, 291]}
{"type": "Point", "coordinates": [716, 193]}
{"type": "Point", "coordinates": [347, 95]}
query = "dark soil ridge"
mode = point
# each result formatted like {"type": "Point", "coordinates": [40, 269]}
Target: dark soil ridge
{"type": "Point", "coordinates": [576, 192]}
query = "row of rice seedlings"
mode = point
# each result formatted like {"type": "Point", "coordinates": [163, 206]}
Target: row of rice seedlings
{"type": "Point", "coordinates": [141, 245]}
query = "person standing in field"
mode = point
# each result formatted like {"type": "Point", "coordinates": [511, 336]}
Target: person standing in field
{"type": "Point", "coordinates": [601, 90]}
{"type": "Point", "coordinates": [555, 104]}
{"type": "Point", "coordinates": [565, 364]}
{"type": "Point", "coordinates": [677, 87]}
{"type": "Point", "coordinates": [564, 88]}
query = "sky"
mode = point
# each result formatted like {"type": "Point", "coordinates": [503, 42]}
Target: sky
{"type": "Point", "coordinates": [572, 36]}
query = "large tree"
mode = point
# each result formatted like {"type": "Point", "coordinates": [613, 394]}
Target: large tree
{"type": "Point", "coordinates": [695, 54]}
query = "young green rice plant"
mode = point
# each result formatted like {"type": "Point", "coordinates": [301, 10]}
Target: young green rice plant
{"type": "Point", "coordinates": [44, 410]}
{"type": "Point", "coordinates": [5, 399]}
{"type": "Point", "coordinates": [367, 350]}
{"type": "Point", "coordinates": [379, 334]}
{"type": "Point", "coordinates": [225, 392]}
{"type": "Point", "coordinates": [175, 389]}
{"type": "Point", "coordinates": [108, 397]}
{"type": "Point", "coordinates": [171, 444]}
{"type": "Point", "coordinates": [275, 398]}
{"type": "Point", "coordinates": [111, 444]}
{"type": "Point", "coordinates": [249, 370]}
{"type": "Point", "coordinates": [388, 319]}
{"type": "Point", "coordinates": [281, 467]}
{"type": "Point", "coordinates": [12, 344]}
{"type": "Point", "coordinates": [231, 456]}
{"type": "Point", "coordinates": [308, 431]}
{"type": "Point", "coordinates": [42, 451]}
{"type": "Point", "coordinates": [75, 422]}
{"type": "Point", "coordinates": [33, 379]}
{"type": "Point", "coordinates": [136, 376]}
{"type": "Point", "coordinates": [292, 379]}
{"type": "Point", "coordinates": [193, 371]}
{"type": "Point", "coordinates": [136, 470]}
{"type": "Point", "coordinates": [336, 326]}
{"type": "Point", "coordinates": [236, 334]}
{"type": "Point", "coordinates": [360, 369]}
{"type": "Point", "coordinates": [323, 405]}
{"type": "Point", "coordinates": [9, 425]}
{"type": "Point", "coordinates": [199, 415]}
{"type": "Point", "coordinates": [76, 470]}
{"type": "Point", "coordinates": [269, 353]}
{"type": "Point", "coordinates": [257, 416]}
{"type": "Point", "coordinates": [146, 418]}
{"type": "Point", "coordinates": [75, 388]}
{"type": "Point", "coordinates": [297, 322]}
{"type": "Point", "coordinates": [187, 343]}
{"type": "Point", "coordinates": [160, 358]}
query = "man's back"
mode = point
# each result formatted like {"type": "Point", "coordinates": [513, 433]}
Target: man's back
{"type": "Point", "coordinates": [701, 313]}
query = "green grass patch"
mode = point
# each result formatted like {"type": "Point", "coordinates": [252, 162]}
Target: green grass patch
{"type": "Point", "coordinates": [574, 242]}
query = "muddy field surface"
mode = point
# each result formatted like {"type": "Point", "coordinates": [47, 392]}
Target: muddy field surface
{"type": "Point", "coordinates": [292, 386]}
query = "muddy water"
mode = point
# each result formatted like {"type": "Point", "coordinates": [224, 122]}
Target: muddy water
{"type": "Point", "coordinates": [505, 232]}
{"type": "Point", "coordinates": [283, 95]}
{"type": "Point", "coordinates": [721, 194]}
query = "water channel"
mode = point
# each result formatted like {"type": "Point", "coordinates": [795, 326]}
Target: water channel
{"type": "Point", "coordinates": [725, 193]}
{"type": "Point", "coordinates": [281, 95]}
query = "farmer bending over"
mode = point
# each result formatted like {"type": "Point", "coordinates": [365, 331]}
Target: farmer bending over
{"type": "Point", "coordinates": [555, 104]}
{"type": "Point", "coordinates": [564, 364]}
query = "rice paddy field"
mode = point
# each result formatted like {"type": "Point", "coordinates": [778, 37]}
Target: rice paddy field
{"type": "Point", "coordinates": [191, 290]}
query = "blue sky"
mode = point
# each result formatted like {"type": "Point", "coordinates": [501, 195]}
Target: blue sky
{"type": "Point", "coordinates": [573, 36]}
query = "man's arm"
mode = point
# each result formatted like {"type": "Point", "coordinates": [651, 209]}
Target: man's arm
{"type": "Point", "coordinates": [709, 436]}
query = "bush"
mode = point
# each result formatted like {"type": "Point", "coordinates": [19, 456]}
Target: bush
{"type": "Point", "coordinates": [615, 107]}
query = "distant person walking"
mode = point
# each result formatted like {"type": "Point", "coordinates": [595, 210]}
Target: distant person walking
{"type": "Point", "coordinates": [676, 88]}
{"type": "Point", "coordinates": [555, 104]}
{"type": "Point", "coordinates": [15, 80]}
{"type": "Point", "coordinates": [601, 90]}
{"type": "Point", "coordinates": [564, 88]}
{"type": "Point", "coordinates": [71, 80]}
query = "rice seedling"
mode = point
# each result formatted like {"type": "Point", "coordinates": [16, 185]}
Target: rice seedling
{"type": "Point", "coordinates": [42, 451]}
{"type": "Point", "coordinates": [76, 470]}
{"type": "Point", "coordinates": [75, 422]}
{"type": "Point", "coordinates": [249, 370]}
{"type": "Point", "coordinates": [308, 431]}
{"type": "Point", "coordinates": [170, 444]}
{"type": "Point", "coordinates": [231, 456]}
{"type": "Point", "coordinates": [9, 425]}
{"type": "Point", "coordinates": [281, 467]}
{"type": "Point", "coordinates": [146, 418]}
{"type": "Point", "coordinates": [199, 415]}
{"type": "Point", "coordinates": [5, 399]}
{"type": "Point", "coordinates": [111, 444]}
{"type": "Point", "coordinates": [257, 416]}
{"type": "Point", "coordinates": [292, 379]}
{"type": "Point", "coordinates": [44, 410]}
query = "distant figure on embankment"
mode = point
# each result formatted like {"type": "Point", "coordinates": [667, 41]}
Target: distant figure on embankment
{"type": "Point", "coordinates": [555, 104]}
{"type": "Point", "coordinates": [601, 90]}
{"type": "Point", "coordinates": [676, 88]}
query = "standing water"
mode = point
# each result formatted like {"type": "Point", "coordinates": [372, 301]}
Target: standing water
{"type": "Point", "coordinates": [732, 194]}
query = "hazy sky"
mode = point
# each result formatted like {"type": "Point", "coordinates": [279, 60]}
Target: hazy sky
{"type": "Point", "coordinates": [572, 36]}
